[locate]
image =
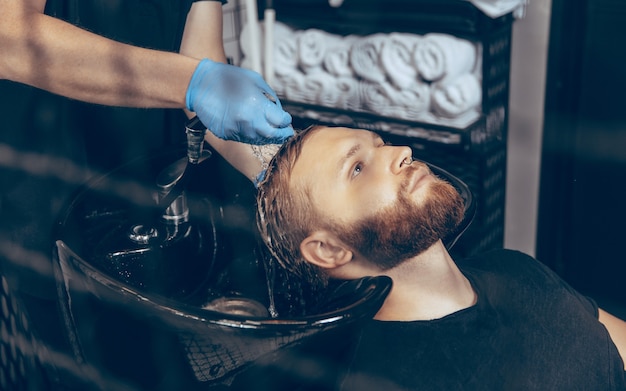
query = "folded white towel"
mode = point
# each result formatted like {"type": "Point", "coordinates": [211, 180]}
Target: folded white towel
{"type": "Point", "coordinates": [412, 102]}
{"type": "Point", "coordinates": [312, 45]}
{"type": "Point", "coordinates": [439, 56]}
{"type": "Point", "coordinates": [337, 58]}
{"type": "Point", "coordinates": [281, 29]}
{"type": "Point", "coordinates": [377, 97]}
{"type": "Point", "coordinates": [365, 58]}
{"type": "Point", "coordinates": [397, 59]}
{"type": "Point", "coordinates": [320, 88]}
{"type": "Point", "coordinates": [456, 97]}
{"type": "Point", "coordinates": [497, 8]}
{"type": "Point", "coordinates": [285, 49]}
{"type": "Point", "coordinates": [349, 94]}
{"type": "Point", "coordinates": [291, 86]}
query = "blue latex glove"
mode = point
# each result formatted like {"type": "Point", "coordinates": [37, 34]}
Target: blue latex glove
{"type": "Point", "coordinates": [237, 104]}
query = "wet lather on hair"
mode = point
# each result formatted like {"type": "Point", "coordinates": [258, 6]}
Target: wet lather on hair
{"type": "Point", "coordinates": [283, 216]}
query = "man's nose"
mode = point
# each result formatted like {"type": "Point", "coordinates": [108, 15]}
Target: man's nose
{"type": "Point", "coordinates": [401, 158]}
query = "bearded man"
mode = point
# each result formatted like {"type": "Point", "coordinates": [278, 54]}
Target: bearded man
{"type": "Point", "coordinates": [339, 203]}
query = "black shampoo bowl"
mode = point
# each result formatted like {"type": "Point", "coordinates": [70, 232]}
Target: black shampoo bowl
{"type": "Point", "coordinates": [196, 309]}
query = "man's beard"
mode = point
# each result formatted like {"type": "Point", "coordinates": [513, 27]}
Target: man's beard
{"type": "Point", "coordinates": [404, 230]}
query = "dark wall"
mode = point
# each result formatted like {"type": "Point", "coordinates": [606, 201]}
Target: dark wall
{"type": "Point", "coordinates": [582, 210]}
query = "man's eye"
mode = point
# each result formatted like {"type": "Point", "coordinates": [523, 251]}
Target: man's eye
{"type": "Point", "coordinates": [357, 169]}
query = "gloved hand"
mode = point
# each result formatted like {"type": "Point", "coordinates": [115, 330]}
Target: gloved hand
{"type": "Point", "coordinates": [237, 104]}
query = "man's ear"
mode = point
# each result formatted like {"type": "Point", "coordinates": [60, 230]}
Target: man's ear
{"type": "Point", "coordinates": [325, 250]}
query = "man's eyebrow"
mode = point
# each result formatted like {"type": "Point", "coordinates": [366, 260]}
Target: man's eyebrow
{"type": "Point", "coordinates": [342, 162]}
{"type": "Point", "coordinates": [353, 150]}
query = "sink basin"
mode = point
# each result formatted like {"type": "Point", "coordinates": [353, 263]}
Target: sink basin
{"type": "Point", "coordinates": [199, 308]}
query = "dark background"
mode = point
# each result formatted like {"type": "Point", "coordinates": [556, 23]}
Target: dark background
{"type": "Point", "coordinates": [583, 176]}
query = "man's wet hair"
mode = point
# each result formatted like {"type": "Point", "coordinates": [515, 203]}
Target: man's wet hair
{"type": "Point", "coordinates": [285, 216]}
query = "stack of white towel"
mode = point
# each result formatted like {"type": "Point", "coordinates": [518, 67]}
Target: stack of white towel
{"type": "Point", "coordinates": [398, 75]}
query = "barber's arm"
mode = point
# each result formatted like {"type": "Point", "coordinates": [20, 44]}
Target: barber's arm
{"type": "Point", "coordinates": [617, 331]}
{"type": "Point", "coordinates": [51, 54]}
{"type": "Point", "coordinates": [202, 38]}
{"type": "Point", "coordinates": [59, 57]}
{"type": "Point", "coordinates": [250, 160]}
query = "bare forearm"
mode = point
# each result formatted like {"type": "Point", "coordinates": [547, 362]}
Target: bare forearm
{"type": "Point", "coordinates": [56, 56]}
{"type": "Point", "coordinates": [248, 159]}
{"type": "Point", "coordinates": [617, 330]}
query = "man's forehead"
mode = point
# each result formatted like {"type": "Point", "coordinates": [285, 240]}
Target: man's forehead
{"type": "Point", "coordinates": [326, 144]}
{"type": "Point", "coordinates": [326, 137]}
{"type": "Point", "coordinates": [321, 152]}
{"type": "Point", "coordinates": [303, 166]}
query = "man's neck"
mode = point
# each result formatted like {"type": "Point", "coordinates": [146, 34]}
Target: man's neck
{"type": "Point", "coordinates": [429, 286]}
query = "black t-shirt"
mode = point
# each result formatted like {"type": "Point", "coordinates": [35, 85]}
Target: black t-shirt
{"type": "Point", "coordinates": [528, 331]}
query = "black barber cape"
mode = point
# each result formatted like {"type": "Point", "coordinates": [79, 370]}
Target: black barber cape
{"type": "Point", "coordinates": [528, 331]}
